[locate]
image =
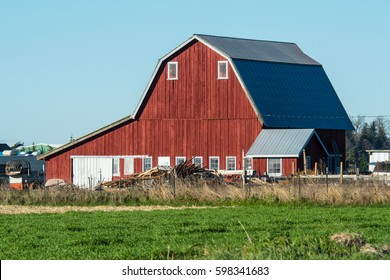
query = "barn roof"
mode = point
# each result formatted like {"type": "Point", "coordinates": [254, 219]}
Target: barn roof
{"type": "Point", "coordinates": [259, 50]}
{"type": "Point", "coordinates": [86, 137]}
{"type": "Point", "coordinates": [286, 87]}
{"type": "Point", "coordinates": [293, 95]}
{"type": "Point", "coordinates": [279, 143]}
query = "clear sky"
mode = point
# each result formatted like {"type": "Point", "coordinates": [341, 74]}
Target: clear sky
{"type": "Point", "coordinates": [70, 67]}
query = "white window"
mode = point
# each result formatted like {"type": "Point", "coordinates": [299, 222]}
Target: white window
{"type": "Point", "coordinates": [179, 160]}
{"type": "Point", "coordinates": [275, 166]}
{"type": "Point", "coordinates": [214, 163]}
{"type": "Point", "coordinates": [129, 166]}
{"type": "Point", "coordinates": [116, 167]}
{"type": "Point", "coordinates": [222, 69]}
{"type": "Point", "coordinates": [172, 70]}
{"type": "Point", "coordinates": [248, 163]}
{"type": "Point", "coordinates": [164, 161]}
{"type": "Point", "coordinates": [146, 163]}
{"type": "Point", "coordinates": [198, 161]}
{"type": "Point", "coordinates": [230, 163]}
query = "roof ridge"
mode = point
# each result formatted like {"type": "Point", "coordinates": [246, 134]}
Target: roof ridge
{"type": "Point", "coordinates": [246, 39]}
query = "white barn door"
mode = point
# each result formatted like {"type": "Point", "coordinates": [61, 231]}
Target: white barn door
{"type": "Point", "coordinates": [89, 171]}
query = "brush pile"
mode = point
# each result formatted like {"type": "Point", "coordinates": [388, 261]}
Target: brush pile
{"type": "Point", "coordinates": [382, 166]}
{"type": "Point", "coordinates": [184, 170]}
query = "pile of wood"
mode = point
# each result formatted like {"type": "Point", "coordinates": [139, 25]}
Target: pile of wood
{"type": "Point", "coordinates": [183, 170]}
{"type": "Point", "coordinates": [186, 169]}
{"type": "Point", "coordinates": [382, 167]}
{"type": "Point", "coordinates": [157, 172]}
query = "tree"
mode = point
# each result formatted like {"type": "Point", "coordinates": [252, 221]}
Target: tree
{"type": "Point", "coordinates": [366, 136]}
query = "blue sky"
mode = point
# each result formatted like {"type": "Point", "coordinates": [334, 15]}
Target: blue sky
{"type": "Point", "coordinates": [70, 67]}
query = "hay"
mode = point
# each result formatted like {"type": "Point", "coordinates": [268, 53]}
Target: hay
{"type": "Point", "coordinates": [348, 239]}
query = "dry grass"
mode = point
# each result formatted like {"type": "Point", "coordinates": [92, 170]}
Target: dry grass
{"type": "Point", "coordinates": [355, 193]}
{"type": "Point", "coordinates": [17, 209]}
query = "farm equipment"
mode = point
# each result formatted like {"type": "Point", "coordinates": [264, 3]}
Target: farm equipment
{"type": "Point", "coordinates": [20, 175]}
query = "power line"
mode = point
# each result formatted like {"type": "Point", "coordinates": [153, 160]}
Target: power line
{"type": "Point", "coordinates": [363, 116]}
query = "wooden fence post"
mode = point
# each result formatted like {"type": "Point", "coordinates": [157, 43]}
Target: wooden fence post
{"type": "Point", "coordinates": [293, 168]}
{"type": "Point", "coordinates": [304, 161]}
{"type": "Point", "coordinates": [341, 173]}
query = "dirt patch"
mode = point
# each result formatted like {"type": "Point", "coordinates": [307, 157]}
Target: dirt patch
{"type": "Point", "coordinates": [16, 209]}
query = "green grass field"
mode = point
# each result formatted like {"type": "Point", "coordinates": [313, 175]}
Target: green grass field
{"type": "Point", "coordinates": [253, 231]}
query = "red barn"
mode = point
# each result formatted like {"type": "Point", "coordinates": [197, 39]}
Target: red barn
{"type": "Point", "coordinates": [210, 99]}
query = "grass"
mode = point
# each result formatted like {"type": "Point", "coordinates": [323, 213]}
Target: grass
{"type": "Point", "coordinates": [253, 231]}
{"type": "Point", "coordinates": [355, 193]}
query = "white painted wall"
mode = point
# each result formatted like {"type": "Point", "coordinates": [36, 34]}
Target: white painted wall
{"type": "Point", "coordinates": [87, 171]}
{"type": "Point", "coordinates": [377, 156]}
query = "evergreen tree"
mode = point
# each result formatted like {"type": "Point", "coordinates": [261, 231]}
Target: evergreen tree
{"type": "Point", "coordinates": [367, 136]}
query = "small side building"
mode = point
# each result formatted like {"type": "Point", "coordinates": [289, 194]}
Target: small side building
{"type": "Point", "coordinates": [377, 156]}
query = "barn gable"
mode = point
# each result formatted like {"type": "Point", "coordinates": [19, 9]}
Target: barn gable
{"type": "Point", "coordinates": [286, 88]}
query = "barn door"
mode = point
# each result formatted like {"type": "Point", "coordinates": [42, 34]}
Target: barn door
{"type": "Point", "coordinates": [90, 171]}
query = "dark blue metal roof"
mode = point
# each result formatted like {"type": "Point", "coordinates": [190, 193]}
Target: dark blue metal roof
{"type": "Point", "coordinates": [259, 50]}
{"type": "Point", "coordinates": [293, 95]}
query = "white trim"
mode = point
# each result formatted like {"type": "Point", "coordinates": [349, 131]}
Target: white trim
{"type": "Point", "coordinates": [179, 157]}
{"type": "Point", "coordinates": [272, 156]}
{"type": "Point", "coordinates": [275, 174]}
{"type": "Point", "coordinates": [220, 62]}
{"type": "Point", "coordinates": [219, 162]}
{"type": "Point", "coordinates": [235, 163]}
{"type": "Point", "coordinates": [201, 160]}
{"type": "Point", "coordinates": [177, 70]}
{"type": "Point", "coordinates": [120, 156]}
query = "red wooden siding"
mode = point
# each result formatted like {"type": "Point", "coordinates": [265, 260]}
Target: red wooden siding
{"type": "Point", "coordinates": [315, 151]}
{"type": "Point", "coordinates": [260, 165]}
{"type": "Point", "coordinates": [196, 115]}
{"type": "Point", "coordinates": [338, 136]}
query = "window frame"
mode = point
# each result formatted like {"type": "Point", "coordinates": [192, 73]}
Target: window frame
{"type": "Point", "coordinates": [117, 161]}
{"type": "Point", "coordinates": [308, 162]}
{"type": "Point", "coordinates": [214, 157]}
{"type": "Point", "coordinates": [248, 163]}
{"type": "Point", "coordinates": [227, 163]}
{"type": "Point", "coordinates": [198, 157]}
{"type": "Point", "coordinates": [275, 174]}
{"type": "Point", "coordinates": [159, 159]}
{"type": "Point", "coordinates": [223, 62]}
{"type": "Point", "coordinates": [143, 163]}
{"type": "Point", "coordinates": [179, 158]}
{"type": "Point", "coordinates": [125, 165]}
{"type": "Point", "coordinates": [176, 64]}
